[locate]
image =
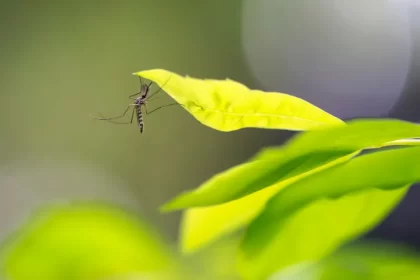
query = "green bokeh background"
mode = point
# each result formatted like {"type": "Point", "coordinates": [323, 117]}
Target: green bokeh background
{"type": "Point", "coordinates": [64, 60]}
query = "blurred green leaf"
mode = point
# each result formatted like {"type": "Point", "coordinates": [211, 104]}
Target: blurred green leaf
{"type": "Point", "coordinates": [87, 242]}
{"type": "Point", "coordinates": [217, 261]}
{"type": "Point", "coordinates": [227, 105]}
{"type": "Point", "coordinates": [303, 153]}
{"type": "Point", "coordinates": [312, 217]}
{"type": "Point", "coordinates": [370, 261]}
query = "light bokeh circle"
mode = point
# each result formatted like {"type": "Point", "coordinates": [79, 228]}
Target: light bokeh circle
{"type": "Point", "coordinates": [350, 58]}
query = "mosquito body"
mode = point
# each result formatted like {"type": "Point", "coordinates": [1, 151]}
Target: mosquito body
{"type": "Point", "coordinates": [139, 103]}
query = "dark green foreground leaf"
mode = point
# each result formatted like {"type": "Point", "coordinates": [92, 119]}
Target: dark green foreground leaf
{"type": "Point", "coordinates": [312, 217]}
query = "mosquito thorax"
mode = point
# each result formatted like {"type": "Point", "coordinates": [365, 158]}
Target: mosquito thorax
{"type": "Point", "coordinates": [140, 101]}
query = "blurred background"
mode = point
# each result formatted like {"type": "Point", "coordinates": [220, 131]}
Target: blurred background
{"type": "Point", "coordinates": [64, 60]}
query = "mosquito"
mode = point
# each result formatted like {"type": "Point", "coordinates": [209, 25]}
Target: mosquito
{"type": "Point", "coordinates": [139, 102]}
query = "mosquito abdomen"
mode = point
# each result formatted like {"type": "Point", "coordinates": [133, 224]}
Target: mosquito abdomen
{"type": "Point", "coordinates": [140, 119]}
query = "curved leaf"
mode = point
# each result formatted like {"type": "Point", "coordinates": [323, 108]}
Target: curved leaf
{"type": "Point", "coordinates": [86, 241]}
{"type": "Point", "coordinates": [227, 105]}
{"type": "Point", "coordinates": [312, 217]}
{"type": "Point", "coordinates": [318, 229]}
{"type": "Point", "coordinates": [203, 225]}
{"type": "Point", "coordinates": [303, 153]}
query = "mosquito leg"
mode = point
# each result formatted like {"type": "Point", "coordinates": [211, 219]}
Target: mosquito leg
{"type": "Point", "coordinates": [131, 96]}
{"type": "Point", "coordinates": [148, 113]}
{"type": "Point", "coordinates": [141, 85]}
{"type": "Point", "coordinates": [154, 98]}
{"type": "Point", "coordinates": [132, 116]}
{"type": "Point", "coordinates": [160, 88]}
{"type": "Point", "coordinates": [141, 82]}
{"type": "Point", "coordinates": [130, 122]}
{"type": "Point", "coordinates": [113, 118]}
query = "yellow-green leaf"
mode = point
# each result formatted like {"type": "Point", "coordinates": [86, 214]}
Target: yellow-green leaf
{"type": "Point", "coordinates": [227, 105]}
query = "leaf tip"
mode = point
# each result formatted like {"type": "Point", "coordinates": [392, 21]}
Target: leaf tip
{"type": "Point", "coordinates": [170, 206]}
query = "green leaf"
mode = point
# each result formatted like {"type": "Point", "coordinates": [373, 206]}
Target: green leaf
{"type": "Point", "coordinates": [372, 261]}
{"type": "Point", "coordinates": [311, 218]}
{"type": "Point", "coordinates": [227, 105]}
{"type": "Point", "coordinates": [87, 242]}
{"type": "Point", "coordinates": [363, 260]}
{"type": "Point", "coordinates": [303, 153]}
{"type": "Point", "coordinates": [204, 225]}
{"type": "Point", "coordinates": [217, 261]}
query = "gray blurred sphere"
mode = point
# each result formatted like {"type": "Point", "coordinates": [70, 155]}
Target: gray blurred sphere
{"type": "Point", "coordinates": [350, 58]}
